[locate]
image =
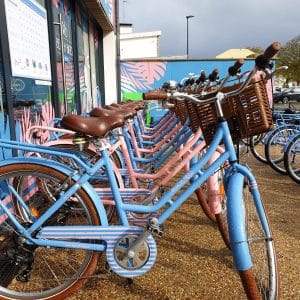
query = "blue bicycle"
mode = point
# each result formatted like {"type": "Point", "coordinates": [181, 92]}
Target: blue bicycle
{"type": "Point", "coordinates": [53, 227]}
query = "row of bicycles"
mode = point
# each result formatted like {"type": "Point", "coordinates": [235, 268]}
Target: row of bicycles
{"type": "Point", "coordinates": [100, 182]}
{"type": "Point", "coordinates": [280, 148]}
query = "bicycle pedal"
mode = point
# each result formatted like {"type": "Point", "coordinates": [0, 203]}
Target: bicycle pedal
{"type": "Point", "coordinates": [155, 228]}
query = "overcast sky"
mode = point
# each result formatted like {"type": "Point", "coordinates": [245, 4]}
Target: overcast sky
{"type": "Point", "coordinates": [218, 25]}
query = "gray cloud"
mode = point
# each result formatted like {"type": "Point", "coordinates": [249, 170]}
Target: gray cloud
{"type": "Point", "coordinates": [218, 24]}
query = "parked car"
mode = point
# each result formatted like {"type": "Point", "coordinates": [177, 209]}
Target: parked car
{"type": "Point", "coordinates": [287, 95]}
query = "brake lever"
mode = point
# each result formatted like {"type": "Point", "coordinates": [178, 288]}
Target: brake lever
{"type": "Point", "coordinates": [269, 73]}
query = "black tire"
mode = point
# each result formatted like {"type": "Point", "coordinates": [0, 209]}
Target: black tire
{"type": "Point", "coordinates": [257, 147]}
{"type": "Point", "coordinates": [201, 194]}
{"type": "Point", "coordinates": [56, 272]}
{"type": "Point", "coordinates": [292, 158]}
{"type": "Point", "coordinates": [221, 218]}
{"type": "Point", "coordinates": [275, 145]}
{"type": "Point", "coordinates": [260, 280]}
{"type": "Point", "coordinates": [222, 224]}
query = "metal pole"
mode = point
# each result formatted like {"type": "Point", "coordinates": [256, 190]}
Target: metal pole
{"type": "Point", "coordinates": [187, 38]}
{"type": "Point", "coordinates": [60, 24]}
{"type": "Point", "coordinates": [62, 45]}
{"type": "Point", "coordinates": [187, 35]}
{"type": "Point", "coordinates": [53, 59]}
{"type": "Point", "coordinates": [118, 50]}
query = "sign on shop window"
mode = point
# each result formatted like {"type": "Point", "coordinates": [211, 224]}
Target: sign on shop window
{"type": "Point", "coordinates": [28, 39]}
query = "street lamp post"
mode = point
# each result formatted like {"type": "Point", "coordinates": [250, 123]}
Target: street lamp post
{"type": "Point", "coordinates": [187, 35]}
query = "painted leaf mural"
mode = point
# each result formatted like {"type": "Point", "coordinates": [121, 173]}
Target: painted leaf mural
{"type": "Point", "coordinates": [139, 76]}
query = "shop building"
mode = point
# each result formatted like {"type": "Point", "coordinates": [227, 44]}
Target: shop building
{"type": "Point", "coordinates": [138, 45]}
{"type": "Point", "coordinates": [56, 57]}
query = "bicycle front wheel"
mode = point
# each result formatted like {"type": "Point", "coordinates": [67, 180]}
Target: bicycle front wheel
{"type": "Point", "coordinates": [251, 241]}
{"type": "Point", "coordinates": [28, 271]}
{"type": "Point", "coordinates": [292, 158]}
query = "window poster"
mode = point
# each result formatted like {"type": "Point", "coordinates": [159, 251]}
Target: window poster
{"type": "Point", "coordinates": [28, 39]}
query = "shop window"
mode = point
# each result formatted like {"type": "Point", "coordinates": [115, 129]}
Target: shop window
{"type": "Point", "coordinates": [89, 44]}
{"type": "Point", "coordinates": [84, 60]}
{"type": "Point", "coordinates": [64, 18]}
{"type": "Point", "coordinates": [95, 64]}
{"type": "Point", "coordinates": [31, 80]}
{"type": "Point", "coordinates": [99, 68]}
{"type": "Point", "coordinates": [29, 93]}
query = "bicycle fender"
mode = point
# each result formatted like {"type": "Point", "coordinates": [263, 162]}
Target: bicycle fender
{"type": "Point", "coordinates": [236, 223]}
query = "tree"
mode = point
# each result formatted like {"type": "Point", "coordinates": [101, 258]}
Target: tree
{"type": "Point", "coordinates": [256, 50]}
{"type": "Point", "coordinates": [289, 55]}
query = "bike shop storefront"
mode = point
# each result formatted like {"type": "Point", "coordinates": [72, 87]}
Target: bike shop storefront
{"type": "Point", "coordinates": [51, 60]}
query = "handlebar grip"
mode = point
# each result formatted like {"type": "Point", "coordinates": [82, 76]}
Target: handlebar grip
{"type": "Point", "coordinates": [155, 95]}
{"type": "Point", "coordinates": [214, 75]}
{"type": "Point", "coordinates": [263, 61]}
{"type": "Point", "coordinates": [272, 50]}
{"type": "Point", "coordinates": [233, 70]}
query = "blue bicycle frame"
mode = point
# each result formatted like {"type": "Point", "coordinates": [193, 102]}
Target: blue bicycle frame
{"type": "Point", "coordinates": [197, 174]}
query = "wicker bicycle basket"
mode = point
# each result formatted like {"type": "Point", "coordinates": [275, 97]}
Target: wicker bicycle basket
{"type": "Point", "coordinates": [248, 114]}
{"type": "Point", "coordinates": [180, 110]}
{"type": "Point", "coordinates": [192, 110]}
{"type": "Point", "coordinates": [193, 116]}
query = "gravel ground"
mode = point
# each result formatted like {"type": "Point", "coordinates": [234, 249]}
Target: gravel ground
{"type": "Point", "coordinates": [193, 262]}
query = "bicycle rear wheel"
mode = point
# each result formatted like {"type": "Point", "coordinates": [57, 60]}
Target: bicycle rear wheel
{"type": "Point", "coordinates": [218, 202]}
{"type": "Point", "coordinates": [274, 147]}
{"type": "Point", "coordinates": [32, 272]}
{"type": "Point", "coordinates": [252, 241]}
{"type": "Point", "coordinates": [219, 218]}
{"type": "Point", "coordinates": [257, 147]}
{"type": "Point", "coordinates": [292, 158]}
{"type": "Point", "coordinates": [213, 201]}
{"type": "Point", "coordinates": [201, 194]}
